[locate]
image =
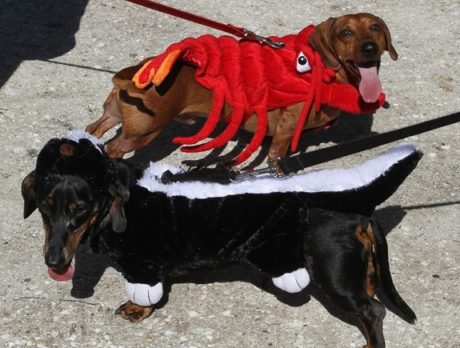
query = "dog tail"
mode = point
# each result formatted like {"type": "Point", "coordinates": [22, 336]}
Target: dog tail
{"type": "Point", "coordinates": [386, 281]}
{"type": "Point", "coordinates": [384, 186]}
{"type": "Point", "coordinates": [381, 176]}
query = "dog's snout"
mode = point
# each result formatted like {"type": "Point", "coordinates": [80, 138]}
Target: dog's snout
{"type": "Point", "coordinates": [369, 49]}
{"type": "Point", "coordinates": [54, 257]}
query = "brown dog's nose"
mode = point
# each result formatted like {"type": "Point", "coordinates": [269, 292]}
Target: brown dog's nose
{"type": "Point", "coordinates": [369, 49]}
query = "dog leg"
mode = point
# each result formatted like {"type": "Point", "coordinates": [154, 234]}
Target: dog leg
{"type": "Point", "coordinates": [121, 145]}
{"type": "Point", "coordinates": [368, 311]}
{"type": "Point", "coordinates": [276, 250]}
{"type": "Point", "coordinates": [133, 312]}
{"type": "Point", "coordinates": [110, 118]}
{"type": "Point", "coordinates": [144, 294]}
{"type": "Point", "coordinates": [343, 267]}
{"type": "Point", "coordinates": [371, 317]}
{"type": "Point", "coordinates": [142, 298]}
{"type": "Point", "coordinates": [283, 133]}
{"type": "Point", "coordinates": [293, 282]}
{"type": "Point", "coordinates": [102, 125]}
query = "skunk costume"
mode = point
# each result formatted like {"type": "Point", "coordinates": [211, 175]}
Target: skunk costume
{"type": "Point", "coordinates": [165, 229]}
{"type": "Point", "coordinates": [260, 221]}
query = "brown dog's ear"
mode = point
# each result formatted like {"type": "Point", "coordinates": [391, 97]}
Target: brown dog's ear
{"type": "Point", "coordinates": [391, 50]}
{"type": "Point", "coordinates": [28, 194]}
{"type": "Point", "coordinates": [321, 41]}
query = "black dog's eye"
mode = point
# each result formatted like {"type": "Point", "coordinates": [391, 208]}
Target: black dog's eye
{"type": "Point", "coordinates": [346, 33]}
{"type": "Point", "coordinates": [46, 205]}
{"type": "Point", "coordinates": [81, 211]}
{"type": "Point", "coordinates": [375, 27]}
{"type": "Point", "coordinates": [77, 208]}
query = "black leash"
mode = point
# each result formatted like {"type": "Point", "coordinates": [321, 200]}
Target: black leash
{"type": "Point", "coordinates": [293, 164]}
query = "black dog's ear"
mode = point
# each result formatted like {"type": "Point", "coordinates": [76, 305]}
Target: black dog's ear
{"type": "Point", "coordinates": [120, 194]}
{"type": "Point", "coordinates": [117, 212]}
{"type": "Point", "coordinates": [28, 194]}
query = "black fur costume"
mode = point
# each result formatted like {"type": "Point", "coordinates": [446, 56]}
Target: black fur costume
{"type": "Point", "coordinates": [269, 224]}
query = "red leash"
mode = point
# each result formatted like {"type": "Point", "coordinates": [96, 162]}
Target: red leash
{"type": "Point", "coordinates": [228, 28]}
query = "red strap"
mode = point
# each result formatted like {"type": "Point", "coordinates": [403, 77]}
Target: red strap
{"type": "Point", "coordinates": [228, 28]}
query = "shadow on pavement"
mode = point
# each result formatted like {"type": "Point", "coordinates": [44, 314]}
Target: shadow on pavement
{"type": "Point", "coordinates": [36, 29]}
{"type": "Point", "coordinates": [346, 128]}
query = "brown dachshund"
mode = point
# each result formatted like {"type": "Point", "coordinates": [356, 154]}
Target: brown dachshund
{"type": "Point", "coordinates": [352, 45]}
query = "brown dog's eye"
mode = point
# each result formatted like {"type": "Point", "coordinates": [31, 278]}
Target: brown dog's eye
{"type": "Point", "coordinates": [346, 33]}
{"type": "Point", "coordinates": [375, 27]}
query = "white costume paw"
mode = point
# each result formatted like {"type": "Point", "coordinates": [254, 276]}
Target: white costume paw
{"type": "Point", "coordinates": [143, 294]}
{"type": "Point", "coordinates": [293, 282]}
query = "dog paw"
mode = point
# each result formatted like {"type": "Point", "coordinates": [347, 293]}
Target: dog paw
{"type": "Point", "coordinates": [293, 282]}
{"type": "Point", "coordinates": [133, 312]}
{"type": "Point", "coordinates": [143, 294]}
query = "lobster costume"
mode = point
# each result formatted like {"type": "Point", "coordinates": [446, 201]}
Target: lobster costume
{"type": "Point", "coordinates": [254, 78]}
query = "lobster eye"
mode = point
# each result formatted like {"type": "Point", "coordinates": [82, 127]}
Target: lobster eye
{"type": "Point", "coordinates": [302, 63]}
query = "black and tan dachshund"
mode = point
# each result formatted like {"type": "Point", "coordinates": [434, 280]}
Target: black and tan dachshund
{"type": "Point", "coordinates": [293, 230]}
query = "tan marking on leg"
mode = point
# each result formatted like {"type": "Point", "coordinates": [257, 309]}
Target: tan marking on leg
{"type": "Point", "coordinates": [366, 237]}
{"type": "Point", "coordinates": [133, 312]}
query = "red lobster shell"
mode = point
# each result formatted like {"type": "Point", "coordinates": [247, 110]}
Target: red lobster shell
{"type": "Point", "coordinates": [254, 78]}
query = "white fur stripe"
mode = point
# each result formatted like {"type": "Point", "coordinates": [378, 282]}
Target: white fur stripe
{"type": "Point", "coordinates": [76, 135]}
{"type": "Point", "coordinates": [330, 180]}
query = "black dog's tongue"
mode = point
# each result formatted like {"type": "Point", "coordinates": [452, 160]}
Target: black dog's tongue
{"type": "Point", "coordinates": [370, 86]}
{"type": "Point", "coordinates": [63, 276]}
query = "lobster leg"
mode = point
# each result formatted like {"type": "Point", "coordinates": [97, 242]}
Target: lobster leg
{"type": "Point", "coordinates": [313, 97]}
{"type": "Point", "coordinates": [257, 139]}
{"type": "Point", "coordinates": [211, 121]}
{"type": "Point", "coordinates": [236, 118]}
{"type": "Point", "coordinates": [302, 120]}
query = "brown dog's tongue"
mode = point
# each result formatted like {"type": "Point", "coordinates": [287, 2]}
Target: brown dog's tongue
{"type": "Point", "coordinates": [61, 276]}
{"type": "Point", "coordinates": [370, 86]}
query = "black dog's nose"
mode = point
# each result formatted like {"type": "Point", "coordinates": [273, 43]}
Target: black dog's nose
{"type": "Point", "coordinates": [369, 49]}
{"type": "Point", "coordinates": [54, 257]}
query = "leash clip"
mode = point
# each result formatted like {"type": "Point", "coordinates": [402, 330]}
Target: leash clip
{"type": "Point", "coordinates": [272, 169]}
{"type": "Point", "coordinates": [250, 35]}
